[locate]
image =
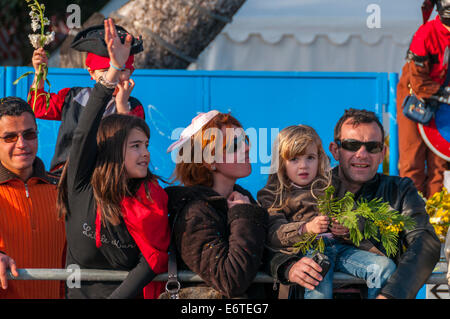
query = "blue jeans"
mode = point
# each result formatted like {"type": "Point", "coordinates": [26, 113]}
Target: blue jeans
{"type": "Point", "coordinates": [373, 268]}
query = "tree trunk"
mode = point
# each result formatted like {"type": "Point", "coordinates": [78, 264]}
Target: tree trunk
{"type": "Point", "coordinates": [175, 32]}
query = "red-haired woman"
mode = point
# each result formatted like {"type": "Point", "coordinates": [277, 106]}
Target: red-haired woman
{"type": "Point", "coordinates": [219, 229]}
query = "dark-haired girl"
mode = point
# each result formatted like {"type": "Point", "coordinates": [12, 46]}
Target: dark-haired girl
{"type": "Point", "coordinates": [115, 210]}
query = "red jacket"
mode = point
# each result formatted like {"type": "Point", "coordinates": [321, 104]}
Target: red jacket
{"type": "Point", "coordinates": [57, 101]}
{"type": "Point", "coordinates": [427, 61]}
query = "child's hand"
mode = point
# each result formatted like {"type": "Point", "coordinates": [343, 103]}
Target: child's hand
{"type": "Point", "coordinates": [123, 94]}
{"type": "Point", "coordinates": [318, 225]}
{"type": "Point", "coordinates": [337, 229]}
{"type": "Point", "coordinates": [39, 57]}
{"type": "Point", "coordinates": [117, 51]}
{"type": "Point", "coordinates": [237, 198]}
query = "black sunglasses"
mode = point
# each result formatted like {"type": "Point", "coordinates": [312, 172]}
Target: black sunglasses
{"type": "Point", "coordinates": [12, 138]}
{"type": "Point", "coordinates": [235, 145]}
{"type": "Point", "coordinates": [354, 145]}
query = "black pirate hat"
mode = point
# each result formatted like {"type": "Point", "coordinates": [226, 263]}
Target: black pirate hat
{"type": "Point", "coordinates": [92, 40]}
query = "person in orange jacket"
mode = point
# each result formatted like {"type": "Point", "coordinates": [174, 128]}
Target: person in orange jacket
{"type": "Point", "coordinates": [31, 236]}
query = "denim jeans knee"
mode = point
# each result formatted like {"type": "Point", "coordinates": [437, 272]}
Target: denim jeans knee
{"type": "Point", "coordinates": [378, 275]}
{"type": "Point", "coordinates": [324, 290]}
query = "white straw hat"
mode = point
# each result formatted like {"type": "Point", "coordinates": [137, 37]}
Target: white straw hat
{"type": "Point", "coordinates": [196, 125]}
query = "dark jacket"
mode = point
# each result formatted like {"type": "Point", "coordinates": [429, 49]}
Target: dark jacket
{"type": "Point", "coordinates": [299, 208]}
{"type": "Point", "coordinates": [118, 249]}
{"type": "Point", "coordinates": [419, 249]}
{"type": "Point", "coordinates": [223, 246]}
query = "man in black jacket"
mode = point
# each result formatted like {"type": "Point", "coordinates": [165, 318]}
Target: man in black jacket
{"type": "Point", "coordinates": [359, 149]}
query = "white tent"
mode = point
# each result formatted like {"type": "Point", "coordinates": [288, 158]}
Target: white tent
{"type": "Point", "coordinates": [315, 35]}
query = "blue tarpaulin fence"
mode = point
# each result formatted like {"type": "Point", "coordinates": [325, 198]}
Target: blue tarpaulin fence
{"type": "Point", "coordinates": [264, 102]}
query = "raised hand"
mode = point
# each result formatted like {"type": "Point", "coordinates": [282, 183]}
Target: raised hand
{"type": "Point", "coordinates": [39, 57]}
{"type": "Point", "coordinates": [123, 94]}
{"type": "Point", "coordinates": [118, 51]}
{"type": "Point", "coordinates": [38, 60]}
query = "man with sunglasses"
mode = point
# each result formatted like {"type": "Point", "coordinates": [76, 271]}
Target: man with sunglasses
{"type": "Point", "coordinates": [358, 147]}
{"type": "Point", "coordinates": [31, 236]}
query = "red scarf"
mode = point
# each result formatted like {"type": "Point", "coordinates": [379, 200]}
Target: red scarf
{"type": "Point", "coordinates": [147, 221]}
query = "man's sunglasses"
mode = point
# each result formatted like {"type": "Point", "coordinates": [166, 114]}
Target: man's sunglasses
{"type": "Point", "coordinates": [354, 145]}
{"type": "Point", "coordinates": [12, 138]}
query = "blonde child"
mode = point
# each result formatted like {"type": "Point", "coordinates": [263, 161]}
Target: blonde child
{"type": "Point", "coordinates": [290, 196]}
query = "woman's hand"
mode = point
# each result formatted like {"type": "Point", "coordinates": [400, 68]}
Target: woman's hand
{"type": "Point", "coordinates": [118, 51]}
{"type": "Point", "coordinates": [237, 198]}
{"type": "Point", "coordinates": [318, 225]}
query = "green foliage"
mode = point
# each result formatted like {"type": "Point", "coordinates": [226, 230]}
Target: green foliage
{"type": "Point", "coordinates": [23, 76]}
{"type": "Point", "coordinates": [309, 241]}
{"type": "Point", "coordinates": [364, 219]}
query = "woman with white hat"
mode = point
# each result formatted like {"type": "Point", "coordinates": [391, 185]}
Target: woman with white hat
{"type": "Point", "coordinates": [218, 228]}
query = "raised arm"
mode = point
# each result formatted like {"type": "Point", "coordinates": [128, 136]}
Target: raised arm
{"type": "Point", "coordinates": [83, 152]}
{"type": "Point", "coordinates": [43, 109]}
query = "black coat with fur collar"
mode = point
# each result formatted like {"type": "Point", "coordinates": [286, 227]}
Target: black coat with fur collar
{"type": "Point", "coordinates": [223, 246]}
{"type": "Point", "coordinates": [419, 249]}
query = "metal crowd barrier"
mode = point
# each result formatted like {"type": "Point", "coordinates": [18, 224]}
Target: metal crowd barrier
{"type": "Point", "coordinates": [183, 276]}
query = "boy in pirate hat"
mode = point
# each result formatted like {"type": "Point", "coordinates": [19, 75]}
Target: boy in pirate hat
{"type": "Point", "coordinates": [66, 105]}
